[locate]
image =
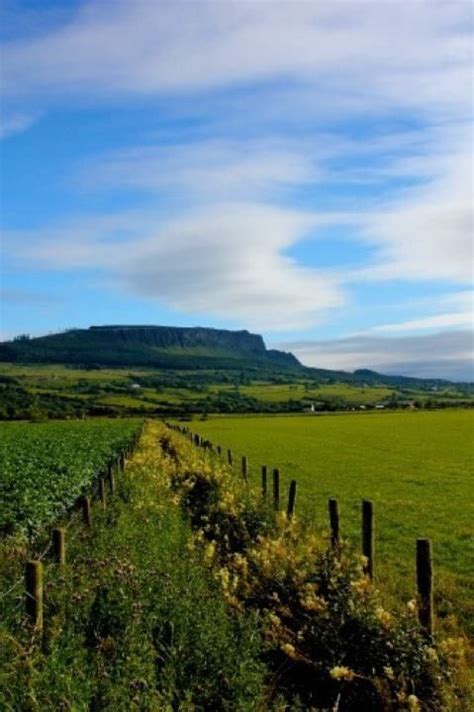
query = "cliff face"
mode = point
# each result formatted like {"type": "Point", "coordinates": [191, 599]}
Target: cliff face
{"type": "Point", "coordinates": [167, 347]}
{"type": "Point", "coordinates": [176, 337]}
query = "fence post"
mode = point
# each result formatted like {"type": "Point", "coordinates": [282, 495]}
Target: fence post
{"type": "Point", "coordinates": [102, 494]}
{"type": "Point", "coordinates": [334, 521]}
{"type": "Point", "coordinates": [219, 450]}
{"type": "Point", "coordinates": [111, 478]}
{"type": "Point", "coordinates": [230, 459]}
{"type": "Point", "coordinates": [368, 536]}
{"type": "Point", "coordinates": [86, 510]}
{"type": "Point", "coordinates": [34, 593]}
{"type": "Point", "coordinates": [276, 489]}
{"type": "Point", "coordinates": [291, 499]}
{"type": "Point", "coordinates": [424, 580]}
{"type": "Point", "coordinates": [264, 481]}
{"type": "Point", "coordinates": [245, 467]}
{"type": "Point", "coordinates": [59, 545]}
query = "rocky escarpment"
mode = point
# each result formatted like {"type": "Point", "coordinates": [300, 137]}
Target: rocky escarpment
{"type": "Point", "coordinates": [155, 346]}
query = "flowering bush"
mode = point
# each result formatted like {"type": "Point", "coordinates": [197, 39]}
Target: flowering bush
{"type": "Point", "coordinates": [326, 631]}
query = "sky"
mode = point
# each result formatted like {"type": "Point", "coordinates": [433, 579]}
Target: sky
{"type": "Point", "coordinates": [300, 169]}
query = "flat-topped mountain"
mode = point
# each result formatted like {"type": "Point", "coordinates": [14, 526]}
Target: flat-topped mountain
{"type": "Point", "coordinates": [152, 346]}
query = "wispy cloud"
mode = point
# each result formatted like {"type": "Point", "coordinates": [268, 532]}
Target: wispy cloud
{"type": "Point", "coordinates": [295, 101]}
{"type": "Point", "coordinates": [446, 354]}
{"type": "Point", "coordinates": [14, 123]}
{"type": "Point", "coordinates": [206, 169]}
{"type": "Point", "coordinates": [460, 315]}
{"type": "Point", "coordinates": [134, 46]}
{"type": "Point", "coordinates": [227, 261]}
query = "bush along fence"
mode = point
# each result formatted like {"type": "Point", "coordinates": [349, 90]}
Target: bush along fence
{"type": "Point", "coordinates": [423, 551]}
{"type": "Point", "coordinates": [328, 639]}
{"type": "Point", "coordinates": [56, 550]}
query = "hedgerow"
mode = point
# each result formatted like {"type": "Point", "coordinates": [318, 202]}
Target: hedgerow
{"type": "Point", "coordinates": [327, 636]}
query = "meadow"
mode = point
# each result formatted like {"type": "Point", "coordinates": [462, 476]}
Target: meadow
{"type": "Point", "coordinates": [416, 467]}
{"type": "Point", "coordinates": [36, 392]}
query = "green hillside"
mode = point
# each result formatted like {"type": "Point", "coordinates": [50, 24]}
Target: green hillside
{"type": "Point", "coordinates": [153, 346]}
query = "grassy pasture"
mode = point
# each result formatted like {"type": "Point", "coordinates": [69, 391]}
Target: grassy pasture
{"type": "Point", "coordinates": [295, 391]}
{"type": "Point", "coordinates": [416, 467]}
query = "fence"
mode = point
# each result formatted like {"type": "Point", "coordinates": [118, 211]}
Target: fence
{"type": "Point", "coordinates": [33, 580]}
{"type": "Point", "coordinates": [33, 576]}
{"type": "Point", "coordinates": [423, 549]}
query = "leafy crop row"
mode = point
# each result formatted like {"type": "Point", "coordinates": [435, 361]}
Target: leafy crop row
{"type": "Point", "coordinates": [45, 467]}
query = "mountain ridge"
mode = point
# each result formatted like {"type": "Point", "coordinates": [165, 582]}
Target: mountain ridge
{"type": "Point", "coordinates": [182, 348]}
{"type": "Point", "coordinates": [149, 345]}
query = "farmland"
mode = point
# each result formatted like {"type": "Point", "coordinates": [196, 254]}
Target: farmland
{"type": "Point", "coordinates": [35, 392]}
{"type": "Point", "coordinates": [44, 467]}
{"type": "Point", "coordinates": [187, 592]}
{"type": "Point", "coordinates": [416, 467]}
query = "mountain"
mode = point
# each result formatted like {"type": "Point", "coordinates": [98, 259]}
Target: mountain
{"type": "Point", "coordinates": [167, 347]}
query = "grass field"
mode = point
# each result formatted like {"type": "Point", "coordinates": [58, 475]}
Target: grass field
{"type": "Point", "coordinates": [416, 467]}
{"type": "Point", "coordinates": [296, 391]}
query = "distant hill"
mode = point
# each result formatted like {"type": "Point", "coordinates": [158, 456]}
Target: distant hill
{"type": "Point", "coordinates": [166, 347]}
{"type": "Point", "coordinates": [188, 348]}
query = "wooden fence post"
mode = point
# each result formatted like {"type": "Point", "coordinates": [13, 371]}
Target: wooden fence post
{"type": "Point", "coordinates": [424, 580]}
{"type": "Point", "coordinates": [34, 593]}
{"type": "Point", "coordinates": [334, 521]}
{"type": "Point", "coordinates": [86, 510]}
{"type": "Point", "coordinates": [219, 450]}
{"type": "Point", "coordinates": [111, 478]}
{"type": "Point", "coordinates": [59, 545]}
{"type": "Point", "coordinates": [102, 494]}
{"type": "Point", "coordinates": [276, 489]}
{"type": "Point", "coordinates": [230, 459]}
{"type": "Point", "coordinates": [264, 481]}
{"type": "Point", "coordinates": [245, 467]}
{"type": "Point", "coordinates": [368, 536]}
{"type": "Point", "coordinates": [291, 499]}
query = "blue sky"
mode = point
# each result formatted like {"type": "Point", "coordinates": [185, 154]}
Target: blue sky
{"type": "Point", "coordinates": [299, 169]}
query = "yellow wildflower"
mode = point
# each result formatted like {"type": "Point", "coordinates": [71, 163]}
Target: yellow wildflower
{"type": "Point", "coordinates": [340, 672]}
{"type": "Point", "coordinates": [431, 654]}
{"type": "Point", "coordinates": [289, 649]}
{"type": "Point", "coordinates": [361, 585]}
{"type": "Point", "coordinates": [210, 552]}
{"type": "Point", "coordinates": [411, 606]}
{"type": "Point", "coordinates": [383, 616]}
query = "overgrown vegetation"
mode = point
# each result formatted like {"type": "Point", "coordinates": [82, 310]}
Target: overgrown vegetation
{"type": "Point", "coordinates": [415, 466]}
{"type": "Point", "coordinates": [133, 621]}
{"type": "Point", "coordinates": [328, 637]}
{"type": "Point", "coordinates": [188, 594]}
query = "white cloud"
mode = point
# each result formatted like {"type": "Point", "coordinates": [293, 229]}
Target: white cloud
{"type": "Point", "coordinates": [14, 123]}
{"type": "Point", "coordinates": [407, 54]}
{"type": "Point", "coordinates": [426, 234]}
{"type": "Point", "coordinates": [227, 261]}
{"type": "Point", "coordinates": [447, 355]}
{"type": "Point", "coordinates": [298, 63]}
{"type": "Point", "coordinates": [207, 169]}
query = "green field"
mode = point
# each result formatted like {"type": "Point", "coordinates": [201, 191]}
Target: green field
{"type": "Point", "coordinates": [416, 467]}
{"type": "Point", "coordinates": [45, 467]}
{"type": "Point", "coordinates": [38, 392]}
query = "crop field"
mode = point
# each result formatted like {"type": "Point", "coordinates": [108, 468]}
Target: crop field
{"type": "Point", "coordinates": [297, 391]}
{"type": "Point", "coordinates": [416, 467]}
{"type": "Point", "coordinates": [45, 467]}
